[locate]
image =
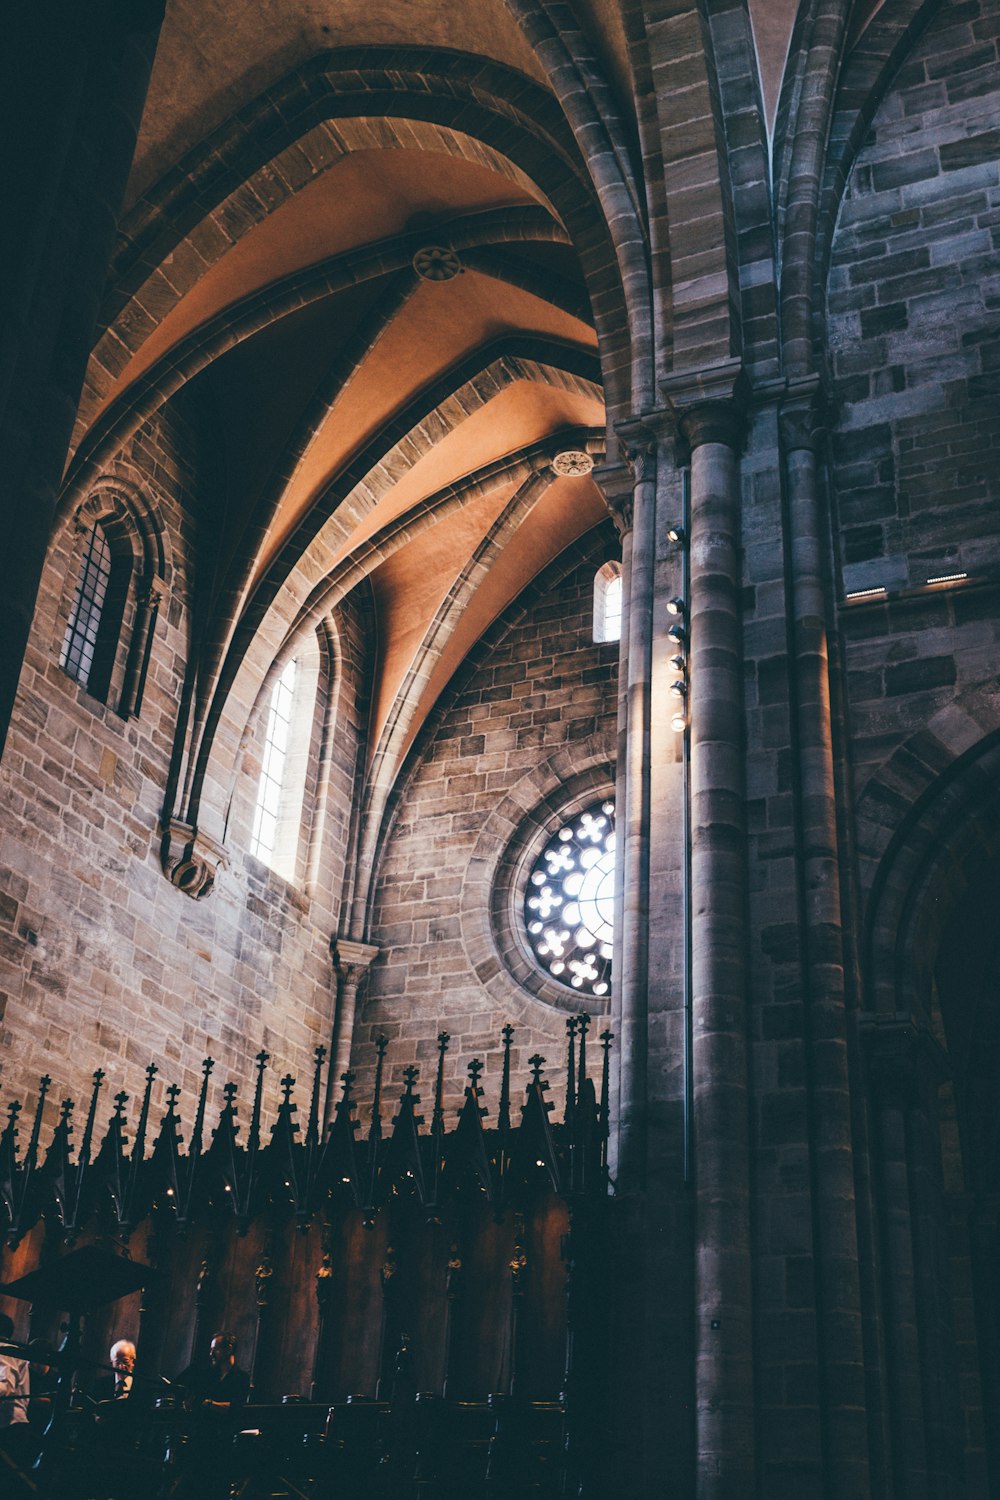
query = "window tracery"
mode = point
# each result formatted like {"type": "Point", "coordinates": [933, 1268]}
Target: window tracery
{"type": "Point", "coordinates": [569, 901]}
{"type": "Point", "coordinates": [110, 624]}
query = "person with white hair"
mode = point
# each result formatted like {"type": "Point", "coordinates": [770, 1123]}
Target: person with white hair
{"type": "Point", "coordinates": [120, 1384]}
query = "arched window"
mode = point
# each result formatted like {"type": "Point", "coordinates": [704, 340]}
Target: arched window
{"type": "Point", "coordinates": [294, 719]}
{"type": "Point", "coordinates": [110, 623]}
{"type": "Point", "coordinates": [95, 621]}
{"type": "Point", "coordinates": [608, 602]}
{"type": "Point", "coordinates": [273, 785]}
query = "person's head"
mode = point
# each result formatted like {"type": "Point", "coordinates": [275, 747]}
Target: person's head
{"type": "Point", "coordinates": [6, 1326]}
{"type": "Point", "coordinates": [222, 1351]}
{"type": "Point", "coordinates": [123, 1357]}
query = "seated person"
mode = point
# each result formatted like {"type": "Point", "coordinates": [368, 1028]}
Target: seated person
{"type": "Point", "coordinates": [213, 1394]}
{"type": "Point", "coordinates": [120, 1384]}
{"type": "Point", "coordinates": [220, 1385]}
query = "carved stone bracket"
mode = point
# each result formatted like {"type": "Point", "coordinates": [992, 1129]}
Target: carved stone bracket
{"type": "Point", "coordinates": [191, 860]}
{"type": "Point", "coordinates": [615, 484]}
{"type": "Point", "coordinates": [639, 440]}
{"type": "Point", "coordinates": [710, 405]}
{"type": "Point", "coordinates": [801, 413]}
{"type": "Point", "coordinates": [353, 960]}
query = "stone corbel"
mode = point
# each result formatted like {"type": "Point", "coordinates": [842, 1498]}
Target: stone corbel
{"type": "Point", "coordinates": [710, 405]}
{"type": "Point", "coordinates": [615, 483]}
{"type": "Point", "coordinates": [191, 860]}
{"type": "Point", "coordinates": [801, 413]}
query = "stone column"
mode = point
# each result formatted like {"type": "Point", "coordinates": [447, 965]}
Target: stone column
{"type": "Point", "coordinates": [352, 962]}
{"type": "Point", "coordinates": [713, 427]}
{"type": "Point", "coordinates": [71, 97]}
{"type": "Point", "coordinates": [147, 608]}
{"type": "Point", "coordinates": [633, 506]}
{"type": "Point", "coordinates": [842, 1387]}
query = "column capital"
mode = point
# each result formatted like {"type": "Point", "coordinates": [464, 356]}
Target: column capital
{"type": "Point", "coordinates": [637, 447]}
{"type": "Point", "coordinates": [616, 485]}
{"type": "Point", "coordinates": [709, 405]}
{"type": "Point", "coordinates": [352, 960]}
{"type": "Point", "coordinates": [801, 413]}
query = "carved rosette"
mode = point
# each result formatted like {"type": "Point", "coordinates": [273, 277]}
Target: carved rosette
{"type": "Point", "coordinates": [572, 463]}
{"type": "Point", "coordinates": [436, 263]}
{"type": "Point", "coordinates": [191, 860]}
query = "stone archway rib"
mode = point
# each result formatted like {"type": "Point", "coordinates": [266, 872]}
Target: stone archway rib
{"type": "Point", "coordinates": [499, 110]}
{"type": "Point", "coordinates": [871, 66]}
{"type": "Point", "coordinates": [397, 733]}
{"type": "Point", "coordinates": [155, 388]}
{"type": "Point", "coordinates": [303, 562]}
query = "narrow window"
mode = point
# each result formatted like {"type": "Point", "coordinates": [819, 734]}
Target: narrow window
{"type": "Point", "coordinates": [608, 603]}
{"type": "Point", "coordinates": [273, 778]}
{"type": "Point", "coordinates": [88, 651]}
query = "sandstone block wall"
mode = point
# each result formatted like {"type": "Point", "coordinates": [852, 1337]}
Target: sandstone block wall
{"type": "Point", "coordinates": [102, 961]}
{"type": "Point", "coordinates": [538, 693]}
{"type": "Point", "coordinates": [914, 329]}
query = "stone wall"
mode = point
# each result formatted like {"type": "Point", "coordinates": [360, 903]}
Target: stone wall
{"type": "Point", "coordinates": [534, 712]}
{"type": "Point", "coordinates": [913, 325]}
{"type": "Point", "coordinates": [102, 961]}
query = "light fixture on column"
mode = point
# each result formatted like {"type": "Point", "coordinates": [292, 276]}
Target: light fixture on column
{"type": "Point", "coordinates": [677, 535]}
{"type": "Point", "coordinates": [679, 687]}
{"type": "Point", "coordinates": [676, 606]}
{"type": "Point", "coordinates": [679, 634]}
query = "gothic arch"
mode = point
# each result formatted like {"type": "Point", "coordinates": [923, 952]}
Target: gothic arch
{"type": "Point", "coordinates": [563, 765]}
{"type": "Point", "coordinates": [255, 643]}
{"type": "Point", "coordinates": [318, 113]}
{"type": "Point", "coordinates": [933, 807]}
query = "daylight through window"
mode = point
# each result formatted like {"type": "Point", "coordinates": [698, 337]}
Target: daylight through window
{"type": "Point", "coordinates": [570, 902]}
{"type": "Point", "coordinates": [272, 776]}
{"type": "Point", "coordinates": [608, 603]}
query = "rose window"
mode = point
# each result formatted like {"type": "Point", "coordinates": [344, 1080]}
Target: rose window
{"type": "Point", "coordinates": [569, 905]}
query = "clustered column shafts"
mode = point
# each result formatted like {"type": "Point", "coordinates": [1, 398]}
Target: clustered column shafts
{"type": "Point", "coordinates": [616, 485]}
{"type": "Point", "coordinates": [835, 1219]}
{"type": "Point", "coordinates": [638, 523]}
{"type": "Point", "coordinates": [723, 1338]}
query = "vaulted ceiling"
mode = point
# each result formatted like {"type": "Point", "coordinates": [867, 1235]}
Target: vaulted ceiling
{"type": "Point", "coordinates": [382, 308]}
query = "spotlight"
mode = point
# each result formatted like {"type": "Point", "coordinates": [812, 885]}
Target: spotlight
{"type": "Point", "coordinates": [678, 633]}
{"type": "Point", "coordinates": [678, 723]}
{"type": "Point", "coordinates": [678, 663]}
{"type": "Point", "coordinates": [679, 687]}
{"type": "Point", "coordinates": [677, 535]}
{"type": "Point", "coordinates": [676, 606]}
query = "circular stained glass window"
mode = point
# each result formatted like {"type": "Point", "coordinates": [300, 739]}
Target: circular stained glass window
{"type": "Point", "coordinates": [569, 905]}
